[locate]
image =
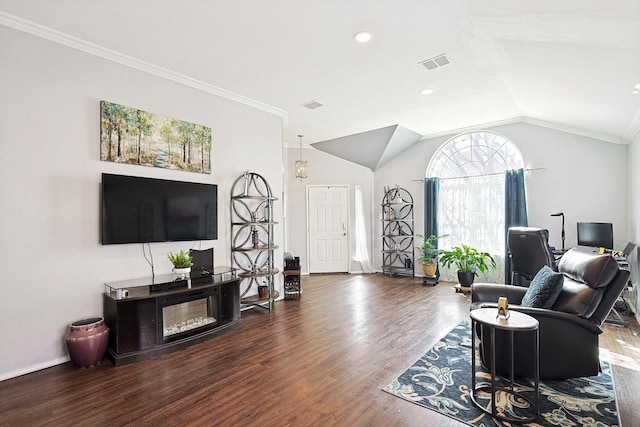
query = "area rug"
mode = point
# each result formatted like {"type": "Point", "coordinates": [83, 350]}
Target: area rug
{"type": "Point", "coordinates": [441, 381]}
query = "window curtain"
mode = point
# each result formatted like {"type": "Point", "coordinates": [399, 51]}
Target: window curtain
{"type": "Point", "coordinates": [362, 248]}
{"type": "Point", "coordinates": [515, 212]}
{"type": "Point", "coordinates": [471, 211]}
{"type": "Point", "coordinates": [431, 191]}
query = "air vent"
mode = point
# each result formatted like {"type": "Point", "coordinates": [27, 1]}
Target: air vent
{"type": "Point", "coordinates": [312, 105]}
{"type": "Point", "coordinates": [435, 62]}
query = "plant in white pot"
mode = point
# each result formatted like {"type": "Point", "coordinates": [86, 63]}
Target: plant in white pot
{"type": "Point", "coordinates": [429, 253]}
{"type": "Point", "coordinates": [182, 263]}
{"type": "Point", "coordinates": [468, 261]}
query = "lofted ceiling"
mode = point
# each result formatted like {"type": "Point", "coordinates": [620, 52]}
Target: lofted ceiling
{"type": "Point", "coordinates": [568, 64]}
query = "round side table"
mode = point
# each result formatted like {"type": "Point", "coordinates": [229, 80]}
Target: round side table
{"type": "Point", "coordinates": [516, 322]}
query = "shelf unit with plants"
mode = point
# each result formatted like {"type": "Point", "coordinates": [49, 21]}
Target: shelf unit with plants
{"type": "Point", "coordinates": [398, 253]}
{"type": "Point", "coordinates": [252, 245]}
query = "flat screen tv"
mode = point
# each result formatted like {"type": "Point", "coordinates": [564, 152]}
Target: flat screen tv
{"type": "Point", "coordinates": [595, 234]}
{"type": "Point", "coordinates": [143, 210]}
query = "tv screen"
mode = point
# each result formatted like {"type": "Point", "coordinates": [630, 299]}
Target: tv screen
{"type": "Point", "coordinates": [595, 234]}
{"type": "Point", "coordinates": [143, 210]}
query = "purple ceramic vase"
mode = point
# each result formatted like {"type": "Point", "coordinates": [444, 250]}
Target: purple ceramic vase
{"type": "Point", "coordinates": [87, 341]}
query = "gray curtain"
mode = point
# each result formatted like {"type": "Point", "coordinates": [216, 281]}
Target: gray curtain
{"type": "Point", "coordinates": [515, 214]}
{"type": "Point", "coordinates": [431, 190]}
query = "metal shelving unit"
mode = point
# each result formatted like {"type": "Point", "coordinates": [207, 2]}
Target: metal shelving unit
{"type": "Point", "coordinates": [252, 243]}
{"type": "Point", "coordinates": [398, 252]}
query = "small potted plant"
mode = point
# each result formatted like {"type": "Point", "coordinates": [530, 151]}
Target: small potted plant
{"type": "Point", "coordinates": [182, 263]}
{"type": "Point", "coordinates": [429, 254]}
{"type": "Point", "coordinates": [468, 262]}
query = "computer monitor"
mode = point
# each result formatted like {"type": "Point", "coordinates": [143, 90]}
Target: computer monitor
{"type": "Point", "coordinates": [595, 234]}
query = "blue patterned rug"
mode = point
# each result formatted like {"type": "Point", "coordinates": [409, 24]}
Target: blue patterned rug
{"type": "Point", "coordinates": [441, 381]}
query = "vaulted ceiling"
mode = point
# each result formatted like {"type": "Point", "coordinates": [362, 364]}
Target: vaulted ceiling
{"type": "Point", "coordinates": [566, 64]}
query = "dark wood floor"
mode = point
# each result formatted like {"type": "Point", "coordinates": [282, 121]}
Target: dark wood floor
{"type": "Point", "coordinates": [319, 361]}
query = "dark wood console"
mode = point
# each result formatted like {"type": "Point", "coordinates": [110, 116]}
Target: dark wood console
{"type": "Point", "coordinates": [153, 316]}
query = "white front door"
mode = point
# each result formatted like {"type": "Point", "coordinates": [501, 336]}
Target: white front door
{"type": "Point", "coordinates": [328, 229]}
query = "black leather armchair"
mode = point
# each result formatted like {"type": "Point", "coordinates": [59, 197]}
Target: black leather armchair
{"type": "Point", "coordinates": [570, 330]}
{"type": "Point", "coordinates": [529, 250]}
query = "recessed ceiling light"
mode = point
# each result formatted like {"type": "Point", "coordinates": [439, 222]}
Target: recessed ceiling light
{"type": "Point", "coordinates": [362, 37]}
{"type": "Point", "coordinates": [427, 91]}
{"type": "Point", "coordinates": [636, 89]}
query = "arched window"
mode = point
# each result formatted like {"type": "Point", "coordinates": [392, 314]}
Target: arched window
{"type": "Point", "coordinates": [471, 200]}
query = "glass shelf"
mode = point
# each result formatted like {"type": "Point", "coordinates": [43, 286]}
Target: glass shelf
{"type": "Point", "coordinates": [142, 287]}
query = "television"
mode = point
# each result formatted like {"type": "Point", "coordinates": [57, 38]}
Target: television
{"type": "Point", "coordinates": [144, 210]}
{"type": "Point", "coordinates": [595, 234]}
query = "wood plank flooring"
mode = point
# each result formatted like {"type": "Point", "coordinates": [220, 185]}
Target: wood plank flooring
{"type": "Point", "coordinates": [319, 361]}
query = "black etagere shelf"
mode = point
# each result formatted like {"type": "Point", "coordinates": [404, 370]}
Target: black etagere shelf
{"type": "Point", "coordinates": [398, 252]}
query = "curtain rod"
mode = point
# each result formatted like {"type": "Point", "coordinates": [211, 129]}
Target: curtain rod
{"type": "Point", "coordinates": [489, 174]}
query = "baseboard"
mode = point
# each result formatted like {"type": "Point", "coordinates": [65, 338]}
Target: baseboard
{"type": "Point", "coordinates": [34, 368]}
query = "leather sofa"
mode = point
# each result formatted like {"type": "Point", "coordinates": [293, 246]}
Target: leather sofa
{"type": "Point", "coordinates": [570, 330]}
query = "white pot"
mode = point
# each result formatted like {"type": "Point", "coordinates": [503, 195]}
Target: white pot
{"type": "Point", "coordinates": [182, 273]}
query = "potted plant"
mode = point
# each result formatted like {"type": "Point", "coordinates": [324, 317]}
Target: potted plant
{"type": "Point", "coordinates": [429, 254]}
{"type": "Point", "coordinates": [182, 263]}
{"type": "Point", "coordinates": [468, 261]}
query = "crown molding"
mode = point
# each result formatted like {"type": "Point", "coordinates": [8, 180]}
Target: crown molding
{"type": "Point", "coordinates": [550, 125]}
{"type": "Point", "coordinates": [76, 43]}
{"type": "Point", "coordinates": [471, 128]}
{"type": "Point", "coordinates": [633, 129]}
{"type": "Point", "coordinates": [581, 132]}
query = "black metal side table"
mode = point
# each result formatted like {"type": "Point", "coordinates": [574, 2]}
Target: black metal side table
{"type": "Point", "coordinates": [516, 322]}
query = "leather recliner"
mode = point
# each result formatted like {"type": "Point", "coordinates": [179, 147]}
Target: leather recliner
{"type": "Point", "coordinates": [529, 251]}
{"type": "Point", "coordinates": [569, 331]}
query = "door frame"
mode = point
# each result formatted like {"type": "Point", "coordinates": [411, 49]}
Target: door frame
{"type": "Point", "coordinates": [308, 232]}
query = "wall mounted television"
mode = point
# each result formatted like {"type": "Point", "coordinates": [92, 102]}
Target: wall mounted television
{"type": "Point", "coordinates": [144, 210]}
{"type": "Point", "coordinates": [595, 234]}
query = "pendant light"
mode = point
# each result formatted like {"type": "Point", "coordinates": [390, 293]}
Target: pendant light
{"type": "Point", "coordinates": [301, 165]}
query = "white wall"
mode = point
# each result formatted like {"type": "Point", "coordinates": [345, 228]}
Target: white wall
{"type": "Point", "coordinates": [323, 169]}
{"type": "Point", "coordinates": [583, 177]}
{"type": "Point", "coordinates": [52, 266]}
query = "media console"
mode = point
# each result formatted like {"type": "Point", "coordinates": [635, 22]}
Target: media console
{"type": "Point", "coordinates": [157, 315]}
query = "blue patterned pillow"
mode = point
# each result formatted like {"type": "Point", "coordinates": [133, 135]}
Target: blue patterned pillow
{"type": "Point", "coordinates": [544, 289]}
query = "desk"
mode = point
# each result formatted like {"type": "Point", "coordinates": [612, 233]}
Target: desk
{"type": "Point", "coordinates": [623, 264]}
{"type": "Point", "coordinates": [517, 322]}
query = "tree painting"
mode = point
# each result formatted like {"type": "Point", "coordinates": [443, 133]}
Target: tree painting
{"type": "Point", "coordinates": [129, 135]}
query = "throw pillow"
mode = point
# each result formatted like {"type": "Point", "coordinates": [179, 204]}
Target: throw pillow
{"type": "Point", "coordinates": [544, 289]}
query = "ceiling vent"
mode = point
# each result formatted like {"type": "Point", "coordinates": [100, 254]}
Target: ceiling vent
{"type": "Point", "coordinates": [435, 62]}
{"type": "Point", "coordinates": [312, 105]}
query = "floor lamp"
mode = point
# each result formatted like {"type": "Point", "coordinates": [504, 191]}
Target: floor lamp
{"type": "Point", "coordinates": [562, 215]}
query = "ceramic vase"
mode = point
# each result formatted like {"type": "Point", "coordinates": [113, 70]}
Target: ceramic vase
{"type": "Point", "coordinates": [182, 273]}
{"type": "Point", "coordinates": [429, 268]}
{"type": "Point", "coordinates": [87, 341]}
{"type": "Point", "coordinates": [263, 292]}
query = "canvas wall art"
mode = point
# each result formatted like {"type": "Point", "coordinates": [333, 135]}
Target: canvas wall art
{"type": "Point", "coordinates": [129, 135]}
